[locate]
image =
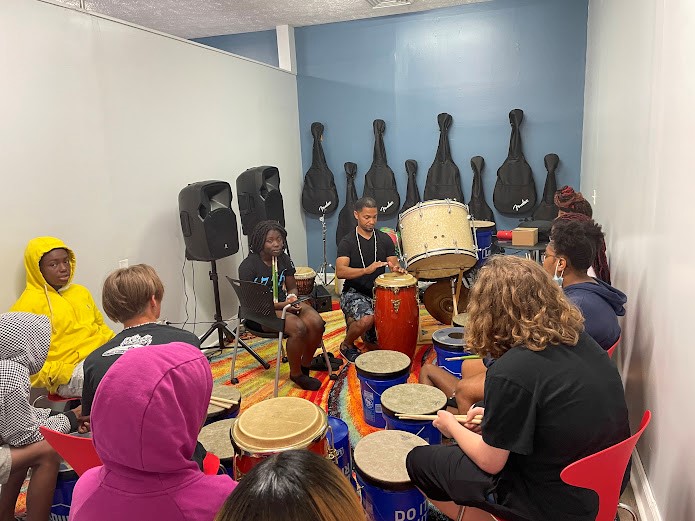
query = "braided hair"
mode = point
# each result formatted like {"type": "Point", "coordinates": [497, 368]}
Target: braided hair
{"type": "Point", "coordinates": [260, 231]}
{"type": "Point", "coordinates": [599, 262]}
{"type": "Point", "coordinates": [567, 200]}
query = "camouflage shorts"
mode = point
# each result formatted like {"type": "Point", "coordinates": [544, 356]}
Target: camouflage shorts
{"type": "Point", "coordinates": [356, 306]}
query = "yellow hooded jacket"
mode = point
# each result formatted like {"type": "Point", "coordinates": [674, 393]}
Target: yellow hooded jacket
{"type": "Point", "coordinates": [77, 326]}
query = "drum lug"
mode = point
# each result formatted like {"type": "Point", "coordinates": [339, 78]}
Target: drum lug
{"type": "Point", "coordinates": [396, 305]}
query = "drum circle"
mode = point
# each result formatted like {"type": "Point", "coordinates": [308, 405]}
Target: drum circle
{"type": "Point", "coordinates": [449, 343]}
{"type": "Point", "coordinates": [378, 371]}
{"type": "Point", "coordinates": [413, 399]}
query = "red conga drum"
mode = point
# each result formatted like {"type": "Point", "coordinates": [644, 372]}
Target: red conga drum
{"type": "Point", "coordinates": [396, 312]}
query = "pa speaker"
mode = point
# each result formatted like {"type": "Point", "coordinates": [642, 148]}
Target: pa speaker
{"type": "Point", "coordinates": [207, 221]}
{"type": "Point", "coordinates": [258, 192]}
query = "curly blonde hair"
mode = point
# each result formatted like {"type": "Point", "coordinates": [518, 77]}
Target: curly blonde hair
{"type": "Point", "coordinates": [514, 302]}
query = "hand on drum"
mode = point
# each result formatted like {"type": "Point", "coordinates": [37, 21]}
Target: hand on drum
{"type": "Point", "coordinates": [395, 268]}
{"type": "Point", "coordinates": [374, 266]}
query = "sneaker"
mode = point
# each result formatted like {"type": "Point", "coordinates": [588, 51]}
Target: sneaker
{"type": "Point", "coordinates": [349, 353]}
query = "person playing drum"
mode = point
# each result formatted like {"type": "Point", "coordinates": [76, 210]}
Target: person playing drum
{"type": "Point", "coordinates": [362, 257]}
{"type": "Point", "coordinates": [303, 325]}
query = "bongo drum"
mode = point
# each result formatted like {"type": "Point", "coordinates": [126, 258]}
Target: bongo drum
{"type": "Point", "coordinates": [448, 342]}
{"type": "Point", "coordinates": [377, 371]}
{"type": "Point", "coordinates": [382, 479]}
{"type": "Point", "coordinates": [483, 236]}
{"type": "Point", "coordinates": [305, 278]}
{"type": "Point", "coordinates": [339, 439]}
{"type": "Point", "coordinates": [217, 413]}
{"type": "Point", "coordinates": [413, 399]}
{"type": "Point", "coordinates": [275, 425]}
{"type": "Point", "coordinates": [215, 438]}
{"type": "Point", "coordinates": [437, 241]}
{"type": "Point", "coordinates": [396, 312]}
{"type": "Point", "coordinates": [62, 497]}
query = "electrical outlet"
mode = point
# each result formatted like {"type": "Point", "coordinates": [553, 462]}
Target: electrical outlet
{"type": "Point", "coordinates": [123, 263]}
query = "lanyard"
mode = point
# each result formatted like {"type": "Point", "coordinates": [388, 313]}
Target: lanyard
{"type": "Point", "coordinates": [357, 236]}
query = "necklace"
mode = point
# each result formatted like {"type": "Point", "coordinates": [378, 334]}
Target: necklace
{"type": "Point", "coordinates": [138, 325]}
{"type": "Point", "coordinates": [357, 236]}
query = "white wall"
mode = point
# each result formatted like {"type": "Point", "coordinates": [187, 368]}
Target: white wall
{"type": "Point", "coordinates": [102, 124]}
{"type": "Point", "coordinates": [639, 137]}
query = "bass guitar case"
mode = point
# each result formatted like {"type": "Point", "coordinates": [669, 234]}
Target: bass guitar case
{"type": "Point", "coordinates": [412, 194]}
{"type": "Point", "coordinates": [346, 218]}
{"type": "Point", "coordinates": [515, 189]}
{"type": "Point", "coordinates": [443, 177]}
{"type": "Point", "coordinates": [546, 209]}
{"type": "Point", "coordinates": [319, 194]}
{"type": "Point", "coordinates": [477, 206]}
{"type": "Point", "coordinates": [379, 182]}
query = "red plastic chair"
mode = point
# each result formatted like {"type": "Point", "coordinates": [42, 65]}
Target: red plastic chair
{"type": "Point", "coordinates": [611, 349]}
{"type": "Point", "coordinates": [603, 473]}
{"type": "Point", "coordinates": [78, 452]}
{"type": "Point", "coordinates": [211, 464]}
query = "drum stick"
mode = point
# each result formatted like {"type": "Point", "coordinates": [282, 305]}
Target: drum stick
{"type": "Point", "coordinates": [216, 400]}
{"type": "Point", "coordinates": [466, 357]}
{"type": "Point", "coordinates": [461, 418]}
{"type": "Point", "coordinates": [454, 299]}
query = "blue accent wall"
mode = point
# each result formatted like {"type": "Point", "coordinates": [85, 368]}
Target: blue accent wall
{"type": "Point", "coordinates": [261, 46]}
{"type": "Point", "coordinates": [476, 62]}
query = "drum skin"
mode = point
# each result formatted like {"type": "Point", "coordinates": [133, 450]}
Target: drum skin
{"type": "Point", "coordinates": [396, 313]}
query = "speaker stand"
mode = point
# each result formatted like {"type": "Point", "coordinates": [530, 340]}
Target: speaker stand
{"type": "Point", "coordinates": [325, 264]}
{"type": "Point", "coordinates": [220, 326]}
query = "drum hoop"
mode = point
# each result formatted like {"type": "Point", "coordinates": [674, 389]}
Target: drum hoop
{"type": "Point", "coordinates": [440, 251]}
{"type": "Point", "coordinates": [388, 412]}
{"type": "Point", "coordinates": [408, 286]}
{"type": "Point", "coordinates": [385, 485]}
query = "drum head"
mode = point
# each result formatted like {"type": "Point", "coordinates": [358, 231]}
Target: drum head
{"type": "Point", "coordinates": [380, 457]}
{"type": "Point", "coordinates": [483, 225]}
{"type": "Point", "coordinates": [439, 301]}
{"type": "Point", "coordinates": [215, 438]}
{"type": "Point", "coordinates": [382, 364]}
{"type": "Point", "coordinates": [412, 399]}
{"type": "Point", "coordinates": [303, 272]}
{"type": "Point", "coordinates": [224, 391]}
{"type": "Point", "coordinates": [460, 320]}
{"type": "Point", "coordinates": [395, 280]}
{"type": "Point", "coordinates": [279, 424]}
{"type": "Point", "coordinates": [450, 337]}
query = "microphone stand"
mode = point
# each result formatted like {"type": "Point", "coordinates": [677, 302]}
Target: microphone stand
{"type": "Point", "coordinates": [325, 264]}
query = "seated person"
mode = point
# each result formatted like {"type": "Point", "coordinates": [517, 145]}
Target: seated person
{"type": "Point", "coordinates": [362, 257]}
{"type": "Point", "coordinates": [146, 416]}
{"type": "Point", "coordinates": [552, 397]}
{"type": "Point", "coordinates": [304, 327]}
{"type": "Point", "coordinates": [296, 485]}
{"type": "Point", "coordinates": [77, 325]}
{"type": "Point", "coordinates": [24, 341]}
{"type": "Point", "coordinates": [567, 257]}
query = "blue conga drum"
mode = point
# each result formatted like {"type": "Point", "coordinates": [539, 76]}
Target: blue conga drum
{"type": "Point", "coordinates": [62, 497]}
{"type": "Point", "coordinates": [215, 437]}
{"type": "Point", "coordinates": [415, 399]}
{"type": "Point", "coordinates": [216, 411]}
{"type": "Point", "coordinates": [377, 371]}
{"type": "Point", "coordinates": [382, 479]}
{"type": "Point", "coordinates": [449, 343]}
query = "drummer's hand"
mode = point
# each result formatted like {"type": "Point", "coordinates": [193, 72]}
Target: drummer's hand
{"type": "Point", "coordinates": [472, 413]}
{"type": "Point", "coordinates": [374, 266]}
{"type": "Point", "coordinates": [83, 426]}
{"type": "Point", "coordinates": [395, 268]}
{"type": "Point", "coordinates": [446, 423]}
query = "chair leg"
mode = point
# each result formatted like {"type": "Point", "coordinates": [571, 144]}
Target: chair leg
{"type": "Point", "coordinates": [284, 354]}
{"type": "Point", "coordinates": [625, 507]}
{"type": "Point", "coordinates": [233, 379]}
{"type": "Point", "coordinates": [277, 365]}
{"type": "Point", "coordinates": [331, 376]}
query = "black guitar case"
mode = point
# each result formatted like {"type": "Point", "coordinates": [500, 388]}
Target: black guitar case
{"type": "Point", "coordinates": [379, 182]}
{"type": "Point", "coordinates": [515, 190]}
{"type": "Point", "coordinates": [443, 177]}
{"type": "Point", "coordinates": [412, 194]}
{"type": "Point", "coordinates": [477, 206]}
{"type": "Point", "coordinates": [319, 194]}
{"type": "Point", "coordinates": [346, 218]}
{"type": "Point", "coordinates": [546, 210]}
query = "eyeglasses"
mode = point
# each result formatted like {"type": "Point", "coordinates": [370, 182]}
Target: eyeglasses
{"type": "Point", "coordinates": [544, 255]}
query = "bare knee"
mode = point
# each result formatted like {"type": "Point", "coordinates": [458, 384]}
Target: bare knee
{"type": "Point", "coordinates": [425, 371]}
{"type": "Point", "coordinates": [295, 327]}
{"type": "Point", "coordinates": [366, 322]}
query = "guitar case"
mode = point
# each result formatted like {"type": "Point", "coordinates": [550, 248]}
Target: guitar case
{"type": "Point", "coordinates": [477, 206]}
{"type": "Point", "coordinates": [546, 209]}
{"type": "Point", "coordinates": [443, 177]}
{"type": "Point", "coordinates": [319, 194]}
{"type": "Point", "coordinates": [515, 189]}
{"type": "Point", "coordinates": [412, 194]}
{"type": "Point", "coordinates": [346, 218]}
{"type": "Point", "coordinates": [379, 182]}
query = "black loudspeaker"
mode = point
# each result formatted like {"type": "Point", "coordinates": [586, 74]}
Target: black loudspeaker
{"type": "Point", "coordinates": [207, 221]}
{"type": "Point", "coordinates": [321, 299]}
{"type": "Point", "coordinates": [258, 193]}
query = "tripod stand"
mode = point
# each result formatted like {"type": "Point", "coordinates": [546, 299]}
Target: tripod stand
{"type": "Point", "coordinates": [325, 264]}
{"type": "Point", "coordinates": [219, 325]}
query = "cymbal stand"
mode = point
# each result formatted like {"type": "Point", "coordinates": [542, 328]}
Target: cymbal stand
{"type": "Point", "coordinates": [325, 264]}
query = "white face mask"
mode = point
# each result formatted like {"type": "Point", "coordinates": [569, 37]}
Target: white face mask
{"type": "Point", "coordinates": [558, 278]}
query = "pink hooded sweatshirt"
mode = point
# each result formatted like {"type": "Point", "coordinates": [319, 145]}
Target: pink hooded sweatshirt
{"type": "Point", "coordinates": [145, 420]}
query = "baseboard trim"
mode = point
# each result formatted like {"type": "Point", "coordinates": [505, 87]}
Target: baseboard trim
{"type": "Point", "coordinates": [646, 504]}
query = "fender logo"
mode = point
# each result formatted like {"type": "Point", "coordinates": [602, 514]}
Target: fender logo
{"type": "Point", "coordinates": [384, 208]}
{"type": "Point", "coordinates": [518, 207]}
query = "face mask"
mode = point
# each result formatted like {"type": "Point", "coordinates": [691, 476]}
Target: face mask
{"type": "Point", "coordinates": [558, 278]}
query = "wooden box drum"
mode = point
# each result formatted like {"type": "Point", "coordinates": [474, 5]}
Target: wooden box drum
{"type": "Point", "coordinates": [382, 478]}
{"type": "Point", "coordinates": [215, 437]}
{"type": "Point", "coordinates": [396, 312]}
{"type": "Point", "coordinates": [305, 278]}
{"type": "Point", "coordinates": [276, 425]}
{"type": "Point", "coordinates": [437, 239]}
{"type": "Point", "coordinates": [413, 399]}
{"type": "Point", "coordinates": [217, 413]}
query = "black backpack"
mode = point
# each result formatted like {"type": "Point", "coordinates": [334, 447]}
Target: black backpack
{"type": "Point", "coordinates": [477, 206]}
{"type": "Point", "coordinates": [319, 194]}
{"type": "Point", "coordinates": [379, 182]}
{"type": "Point", "coordinates": [443, 177]}
{"type": "Point", "coordinates": [412, 194]}
{"type": "Point", "coordinates": [346, 219]}
{"type": "Point", "coordinates": [515, 189]}
{"type": "Point", "coordinates": [546, 210]}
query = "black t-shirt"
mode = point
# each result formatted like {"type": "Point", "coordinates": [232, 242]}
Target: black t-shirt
{"type": "Point", "coordinates": [99, 360]}
{"type": "Point", "coordinates": [348, 248]}
{"type": "Point", "coordinates": [549, 409]}
{"type": "Point", "coordinates": [254, 269]}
